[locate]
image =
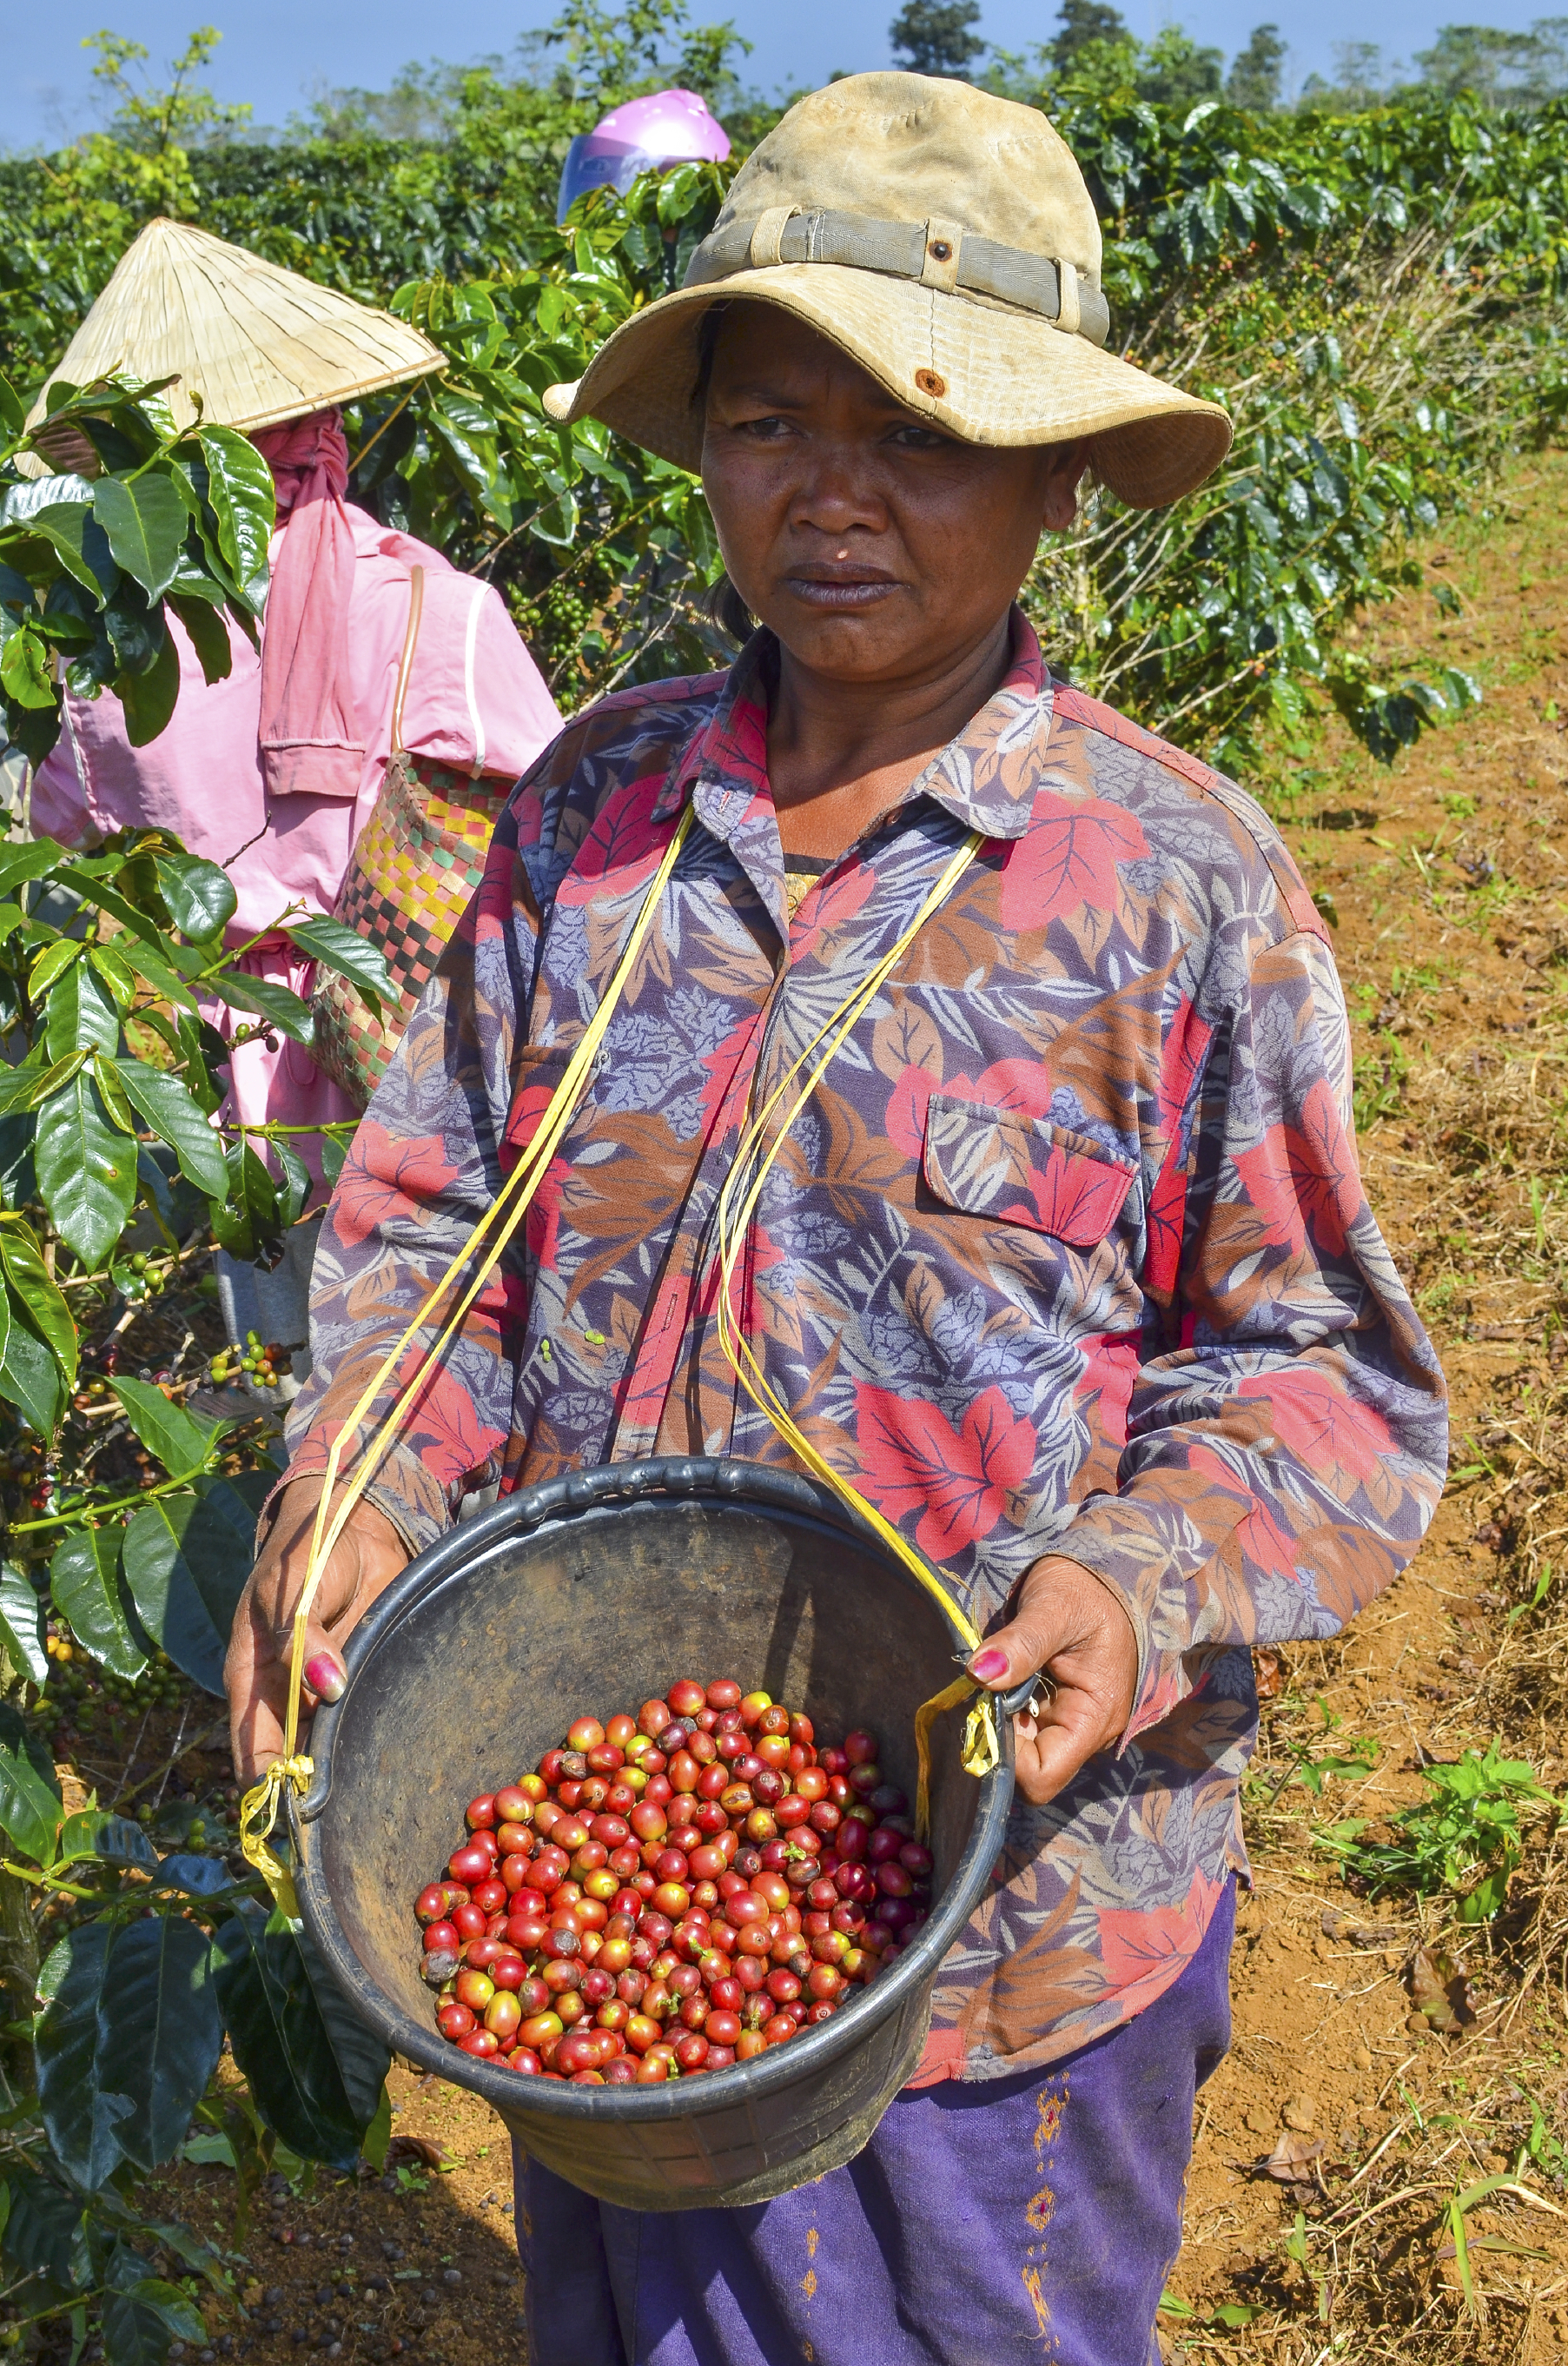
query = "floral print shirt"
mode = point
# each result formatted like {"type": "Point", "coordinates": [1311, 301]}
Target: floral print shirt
{"type": "Point", "coordinates": [1067, 1252]}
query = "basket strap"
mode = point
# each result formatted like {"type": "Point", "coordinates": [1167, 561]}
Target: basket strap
{"type": "Point", "coordinates": [491, 1235]}
{"type": "Point", "coordinates": [406, 662]}
{"type": "Point", "coordinates": [753, 1161]}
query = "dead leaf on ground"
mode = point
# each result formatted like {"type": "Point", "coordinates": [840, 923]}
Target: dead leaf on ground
{"type": "Point", "coordinates": [420, 2149]}
{"type": "Point", "coordinates": [1440, 1991]}
{"type": "Point", "coordinates": [1291, 2161]}
{"type": "Point", "coordinates": [1270, 1672]}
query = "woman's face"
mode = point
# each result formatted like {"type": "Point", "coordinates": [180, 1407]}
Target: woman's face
{"type": "Point", "coordinates": [878, 548]}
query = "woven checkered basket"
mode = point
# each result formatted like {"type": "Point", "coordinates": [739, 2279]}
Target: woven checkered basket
{"type": "Point", "coordinates": [415, 866]}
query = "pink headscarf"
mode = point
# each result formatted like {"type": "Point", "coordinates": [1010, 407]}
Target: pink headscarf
{"type": "Point", "coordinates": [310, 734]}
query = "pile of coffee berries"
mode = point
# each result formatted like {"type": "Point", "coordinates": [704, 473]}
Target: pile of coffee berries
{"type": "Point", "coordinates": [671, 1893]}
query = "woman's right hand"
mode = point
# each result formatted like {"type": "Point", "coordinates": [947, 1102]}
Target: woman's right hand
{"type": "Point", "coordinates": [366, 1557]}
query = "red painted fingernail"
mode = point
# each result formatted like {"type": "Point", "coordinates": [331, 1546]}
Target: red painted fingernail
{"type": "Point", "coordinates": [324, 1676]}
{"type": "Point", "coordinates": [988, 1666]}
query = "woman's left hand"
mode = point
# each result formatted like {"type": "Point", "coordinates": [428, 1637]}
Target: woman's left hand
{"type": "Point", "coordinates": [1070, 1629]}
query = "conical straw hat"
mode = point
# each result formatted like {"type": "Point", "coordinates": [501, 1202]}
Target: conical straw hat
{"type": "Point", "coordinates": [260, 344]}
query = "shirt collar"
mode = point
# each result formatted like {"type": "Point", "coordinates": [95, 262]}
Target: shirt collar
{"type": "Point", "coordinates": [987, 777]}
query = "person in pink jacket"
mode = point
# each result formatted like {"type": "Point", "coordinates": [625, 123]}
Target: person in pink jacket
{"type": "Point", "coordinates": [274, 772]}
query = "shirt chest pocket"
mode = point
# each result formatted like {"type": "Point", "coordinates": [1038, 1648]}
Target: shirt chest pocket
{"type": "Point", "coordinates": [1020, 1171]}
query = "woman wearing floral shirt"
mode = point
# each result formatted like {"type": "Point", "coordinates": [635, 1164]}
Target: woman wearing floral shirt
{"type": "Point", "coordinates": [1067, 1266]}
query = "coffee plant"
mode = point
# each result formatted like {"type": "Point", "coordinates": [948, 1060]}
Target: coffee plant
{"type": "Point", "coordinates": [130, 1954]}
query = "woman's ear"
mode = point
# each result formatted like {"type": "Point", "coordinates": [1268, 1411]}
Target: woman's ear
{"type": "Point", "coordinates": [1065, 465]}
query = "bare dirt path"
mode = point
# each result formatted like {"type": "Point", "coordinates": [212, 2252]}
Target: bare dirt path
{"type": "Point", "coordinates": [1448, 882]}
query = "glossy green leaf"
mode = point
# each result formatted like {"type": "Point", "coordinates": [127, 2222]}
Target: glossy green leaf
{"type": "Point", "coordinates": [52, 965]}
{"type": "Point", "coordinates": [30, 1811]}
{"type": "Point", "coordinates": [22, 1623]}
{"type": "Point", "coordinates": [45, 1303]}
{"type": "Point", "coordinates": [145, 522]}
{"type": "Point", "coordinates": [249, 1224]}
{"type": "Point", "coordinates": [29, 858]}
{"type": "Point", "coordinates": [26, 669]}
{"type": "Point", "coordinates": [87, 1172]}
{"type": "Point", "coordinates": [182, 1442]}
{"type": "Point", "coordinates": [31, 1376]}
{"type": "Point", "coordinates": [149, 694]}
{"type": "Point", "coordinates": [116, 974]}
{"type": "Point", "coordinates": [168, 1111]}
{"type": "Point", "coordinates": [141, 2323]}
{"type": "Point", "coordinates": [276, 1004]}
{"type": "Point", "coordinates": [282, 2042]}
{"type": "Point", "coordinates": [116, 1109]}
{"type": "Point", "coordinates": [91, 1833]}
{"type": "Point", "coordinates": [75, 534]}
{"type": "Point", "coordinates": [84, 1580]}
{"type": "Point", "coordinates": [352, 955]}
{"type": "Point", "coordinates": [240, 486]}
{"type": "Point", "coordinates": [46, 2231]}
{"type": "Point", "coordinates": [186, 1560]}
{"type": "Point", "coordinates": [159, 2033]}
{"type": "Point", "coordinates": [200, 896]}
{"type": "Point", "coordinates": [80, 1015]}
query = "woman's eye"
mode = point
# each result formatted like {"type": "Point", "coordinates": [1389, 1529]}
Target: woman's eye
{"type": "Point", "coordinates": [914, 438]}
{"type": "Point", "coordinates": [767, 429]}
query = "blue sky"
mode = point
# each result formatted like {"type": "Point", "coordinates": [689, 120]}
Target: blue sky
{"type": "Point", "coordinates": [272, 56]}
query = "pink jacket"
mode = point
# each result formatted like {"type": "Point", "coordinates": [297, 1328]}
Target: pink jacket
{"type": "Point", "coordinates": [475, 701]}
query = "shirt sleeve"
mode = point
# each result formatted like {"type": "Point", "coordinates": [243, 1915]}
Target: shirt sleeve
{"type": "Point", "coordinates": [426, 1165]}
{"type": "Point", "coordinates": [1286, 1452]}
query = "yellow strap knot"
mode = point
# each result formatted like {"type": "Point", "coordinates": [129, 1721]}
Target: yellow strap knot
{"type": "Point", "coordinates": [258, 1820]}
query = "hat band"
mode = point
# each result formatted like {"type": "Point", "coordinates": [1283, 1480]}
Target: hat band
{"type": "Point", "coordinates": [941, 254]}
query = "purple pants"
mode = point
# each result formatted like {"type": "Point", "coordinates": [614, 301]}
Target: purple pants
{"type": "Point", "coordinates": [1030, 2219]}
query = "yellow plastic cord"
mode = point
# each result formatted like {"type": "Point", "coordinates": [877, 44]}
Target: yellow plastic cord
{"type": "Point", "coordinates": [498, 1226]}
{"type": "Point", "coordinates": [738, 1203]}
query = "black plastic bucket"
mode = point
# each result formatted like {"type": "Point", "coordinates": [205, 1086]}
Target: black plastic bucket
{"type": "Point", "coordinates": [584, 1594]}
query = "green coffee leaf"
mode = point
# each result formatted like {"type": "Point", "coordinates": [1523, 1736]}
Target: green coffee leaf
{"type": "Point", "coordinates": [141, 2323]}
{"type": "Point", "coordinates": [276, 1004]}
{"type": "Point", "coordinates": [169, 1111]}
{"type": "Point", "coordinates": [30, 1812]}
{"type": "Point", "coordinates": [352, 955]}
{"type": "Point", "coordinates": [159, 2033]}
{"type": "Point", "coordinates": [26, 673]}
{"type": "Point", "coordinates": [29, 858]}
{"type": "Point", "coordinates": [91, 1833]}
{"type": "Point", "coordinates": [84, 1580]}
{"type": "Point", "coordinates": [186, 1560]}
{"type": "Point", "coordinates": [80, 1015]}
{"type": "Point", "coordinates": [31, 1376]}
{"type": "Point", "coordinates": [320, 2102]}
{"type": "Point", "coordinates": [200, 897]}
{"type": "Point", "coordinates": [145, 522]}
{"type": "Point", "coordinates": [22, 1260]}
{"type": "Point", "coordinates": [87, 1172]}
{"type": "Point", "coordinates": [22, 1623]}
{"type": "Point", "coordinates": [82, 2118]}
{"type": "Point", "coordinates": [241, 490]}
{"type": "Point", "coordinates": [181, 1443]}
{"type": "Point", "coordinates": [148, 692]}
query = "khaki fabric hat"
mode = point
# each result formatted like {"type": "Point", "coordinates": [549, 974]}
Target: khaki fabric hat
{"type": "Point", "coordinates": [945, 241]}
{"type": "Point", "coordinates": [259, 343]}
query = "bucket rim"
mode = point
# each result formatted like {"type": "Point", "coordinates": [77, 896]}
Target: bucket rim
{"type": "Point", "coordinates": [554, 1501]}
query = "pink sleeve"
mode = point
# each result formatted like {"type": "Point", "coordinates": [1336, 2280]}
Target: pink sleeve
{"type": "Point", "coordinates": [519, 715]}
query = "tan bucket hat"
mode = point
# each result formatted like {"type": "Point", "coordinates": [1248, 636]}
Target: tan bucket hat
{"type": "Point", "coordinates": [258, 344]}
{"type": "Point", "coordinates": [946, 239]}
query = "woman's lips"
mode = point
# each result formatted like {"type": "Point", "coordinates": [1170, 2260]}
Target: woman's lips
{"type": "Point", "coordinates": [841, 592]}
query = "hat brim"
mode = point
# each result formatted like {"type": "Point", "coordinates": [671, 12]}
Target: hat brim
{"type": "Point", "coordinates": [1008, 376]}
